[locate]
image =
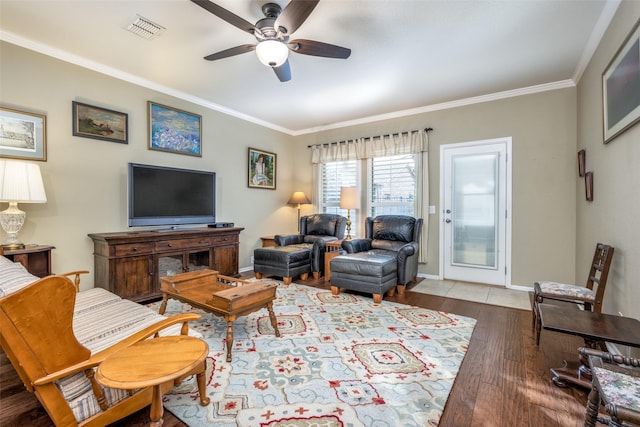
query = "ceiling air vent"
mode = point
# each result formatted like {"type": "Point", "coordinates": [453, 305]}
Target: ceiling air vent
{"type": "Point", "coordinates": [144, 28]}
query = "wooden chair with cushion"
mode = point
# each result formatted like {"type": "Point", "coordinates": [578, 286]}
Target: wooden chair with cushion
{"type": "Point", "coordinates": [590, 296]}
{"type": "Point", "coordinates": [615, 385]}
{"type": "Point", "coordinates": [36, 332]}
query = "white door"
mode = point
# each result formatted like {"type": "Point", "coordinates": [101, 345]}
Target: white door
{"type": "Point", "coordinates": [475, 205]}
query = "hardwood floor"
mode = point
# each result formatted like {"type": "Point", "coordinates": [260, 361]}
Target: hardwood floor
{"type": "Point", "coordinates": [504, 379]}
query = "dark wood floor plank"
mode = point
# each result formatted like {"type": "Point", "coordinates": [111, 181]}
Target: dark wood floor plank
{"type": "Point", "coordinates": [503, 380]}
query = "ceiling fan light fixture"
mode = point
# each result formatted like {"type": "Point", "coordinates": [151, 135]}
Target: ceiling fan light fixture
{"type": "Point", "coordinates": [272, 52]}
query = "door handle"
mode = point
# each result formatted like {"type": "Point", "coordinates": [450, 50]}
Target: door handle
{"type": "Point", "coordinates": [448, 220]}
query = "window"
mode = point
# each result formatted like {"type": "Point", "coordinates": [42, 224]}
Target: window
{"type": "Point", "coordinates": [392, 185]}
{"type": "Point", "coordinates": [389, 187]}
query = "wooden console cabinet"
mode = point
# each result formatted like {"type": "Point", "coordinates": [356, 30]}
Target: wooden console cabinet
{"type": "Point", "coordinates": [130, 264]}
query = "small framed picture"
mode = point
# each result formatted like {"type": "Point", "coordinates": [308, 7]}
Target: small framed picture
{"type": "Point", "coordinates": [581, 162]}
{"type": "Point", "coordinates": [620, 87]}
{"type": "Point", "coordinates": [175, 131]}
{"type": "Point", "coordinates": [588, 186]}
{"type": "Point", "coordinates": [23, 135]}
{"type": "Point", "coordinates": [100, 123]}
{"type": "Point", "coordinates": [262, 169]}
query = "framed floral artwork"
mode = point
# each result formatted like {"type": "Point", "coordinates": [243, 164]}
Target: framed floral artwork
{"type": "Point", "coordinates": [174, 130]}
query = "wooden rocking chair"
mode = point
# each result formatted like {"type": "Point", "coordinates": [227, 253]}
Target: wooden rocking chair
{"type": "Point", "coordinates": [37, 335]}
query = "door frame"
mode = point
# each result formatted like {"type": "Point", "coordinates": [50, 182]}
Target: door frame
{"type": "Point", "coordinates": [507, 141]}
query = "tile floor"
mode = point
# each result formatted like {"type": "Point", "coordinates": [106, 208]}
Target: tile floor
{"type": "Point", "coordinates": [488, 294]}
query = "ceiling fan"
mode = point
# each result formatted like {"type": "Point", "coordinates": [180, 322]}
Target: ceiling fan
{"type": "Point", "coordinates": [272, 33]}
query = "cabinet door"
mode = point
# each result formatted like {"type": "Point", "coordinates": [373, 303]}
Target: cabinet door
{"type": "Point", "coordinates": [132, 277]}
{"type": "Point", "coordinates": [226, 259]}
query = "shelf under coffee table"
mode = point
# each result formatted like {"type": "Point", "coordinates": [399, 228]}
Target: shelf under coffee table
{"type": "Point", "coordinates": [220, 295]}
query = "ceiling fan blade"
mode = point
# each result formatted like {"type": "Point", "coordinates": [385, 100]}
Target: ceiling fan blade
{"type": "Point", "coordinates": [231, 52]}
{"type": "Point", "coordinates": [225, 15]}
{"type": "Point", "coordinates": [314, 48]}
{"type": "Point", "coordinates": [294, 14]}
{"type": "Point", "coordinates": [283, 72]}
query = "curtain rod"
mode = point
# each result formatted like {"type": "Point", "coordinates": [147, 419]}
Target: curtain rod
{"type": "Point", "coordinates": [368, 138]}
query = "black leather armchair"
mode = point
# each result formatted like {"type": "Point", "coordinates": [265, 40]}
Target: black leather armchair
{"type": "Point", "coordinates": [396, 235]}
{"type": "Point", "coordinates": [315, 231]}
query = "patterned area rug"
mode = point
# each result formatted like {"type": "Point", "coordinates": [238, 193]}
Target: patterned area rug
{"type": "Point", "coordinates": [340, 361]}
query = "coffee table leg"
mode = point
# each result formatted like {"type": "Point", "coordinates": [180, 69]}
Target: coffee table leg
{"type": "Point", "coordinates": [230, 320]}
{"type": "Point", "coordinates": [272, 317]}
{"type": "Point", "coordinates": [163, 306]}
{"type": "Point", "coordinates": [156, 407]}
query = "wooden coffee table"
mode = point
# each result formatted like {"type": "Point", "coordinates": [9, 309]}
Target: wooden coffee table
{"type": "Point", "coordinates": [220, 295]}
{"type": "Point", "coordinates": [154, 363]}
{"type": "Point", "coordinates": [594, 328]}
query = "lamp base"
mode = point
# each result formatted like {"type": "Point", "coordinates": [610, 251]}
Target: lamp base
{"type": "Point", "coordinates": [13, 246]}
{"type": "Point", "coordinates": [12, 220]}
{"type": "Point", "coordinates": [348, 225]}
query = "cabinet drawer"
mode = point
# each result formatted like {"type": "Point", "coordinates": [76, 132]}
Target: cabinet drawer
{"type": "Point", "coordinates": [216, 240]}
{"type": "Point", "coordinates": [133, 249]}
{"type": "Point", "coordinates": [196, 242]}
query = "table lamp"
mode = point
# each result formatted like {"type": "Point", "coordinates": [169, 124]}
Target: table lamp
{"type": "Point", "coordinates": [349, 199]}
{"type": "Point", "coordinates": [20, 182]}
{"type": "Point", "coordinates": [299, 198]}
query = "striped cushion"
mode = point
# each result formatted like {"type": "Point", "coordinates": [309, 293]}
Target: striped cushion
{"type": "Point", "coordinates": [100, 320]}
{"type": "Point", "coordinates": [13, 277]}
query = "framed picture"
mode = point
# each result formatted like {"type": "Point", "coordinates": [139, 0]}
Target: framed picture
{"type": "Point", "coordinates": [621, 87]}
{"type": "Point", "coordinates": [23, 135]}
{"type": "Point", "coordinates": [581, 162]}
{"type": "Point", "coordinates": [262, 169]}
{"type": "Point", "coordinates": [100, 123]}
{"type": "Point", "coordinates": [588, 186]}
{"type": "Point", "coordinates": [174, 130]}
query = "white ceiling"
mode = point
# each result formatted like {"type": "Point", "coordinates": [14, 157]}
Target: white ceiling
{"type": "Point", "coordinates": [407, 55]}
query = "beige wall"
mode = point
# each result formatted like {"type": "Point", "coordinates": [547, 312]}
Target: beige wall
{"type": "Point", "coordinates": [614, 215]}
{"type": "Point", "coordinates": [85, 179]}
{"type": "Point", "coordinates": [544, 173]}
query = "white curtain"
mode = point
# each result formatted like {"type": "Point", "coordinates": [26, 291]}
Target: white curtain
{"type": "Point", "coordinates": [414, 142]}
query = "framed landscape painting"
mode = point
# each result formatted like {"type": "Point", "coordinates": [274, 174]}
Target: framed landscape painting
{"type": "Point", "coordinates": [174, 130]}
{"type": "Point", "coordinates": [100, 123]}
{"type": "Point", "coordinates": [23, 135]}
{"type": "Point", "coordinates": [621, 87]}
{"type": "Point", "coordinates": [262, 169]}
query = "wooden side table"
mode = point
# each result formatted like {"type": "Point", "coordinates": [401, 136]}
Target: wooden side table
{"type": "Point", "coordinates": [35, 258]}
{"type": "Point", "coordinates": [268, 241]}
{"type": "Point", "coordinates": [332, 250]}
{"type": "Point", "coordinates": [593, 328]}
{"type": "Point", "coordinates": [154, 362]}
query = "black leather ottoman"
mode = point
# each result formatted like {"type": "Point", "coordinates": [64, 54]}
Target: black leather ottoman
{"type": "Point", "coordinates": [284, 261]}
{"type": "Point", "coordinates": [364, 272]}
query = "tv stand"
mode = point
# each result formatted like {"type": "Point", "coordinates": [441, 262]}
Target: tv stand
{"type": "Point", "coordinates": [130, 264]}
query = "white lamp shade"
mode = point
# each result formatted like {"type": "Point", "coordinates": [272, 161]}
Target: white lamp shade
{"type": "Point", "coordinates": [349, 197]}
{"type": "Point", "coordinates": [272, 53]}
{"type": "Point", "coordinates": [21, 182]}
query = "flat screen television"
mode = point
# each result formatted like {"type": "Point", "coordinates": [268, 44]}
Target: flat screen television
{"type": "Point", "coordinates": [160, 195]}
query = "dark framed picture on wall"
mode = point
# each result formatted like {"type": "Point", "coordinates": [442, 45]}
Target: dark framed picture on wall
{"type": "Point", "coordinates": [100, 123]}
{"type": "Point", "coordinates": [621, 87]}
{"type": "Point", "coordinates": [588, 186]}
{"type": "Point", "coordinates": [581, 162]}
{"type": "Point", "coordinates": [262, 169]}
{"type": "Point", "coordinates": [174, 130]}
{"type": "Point", "coordinates": [23, 135]}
